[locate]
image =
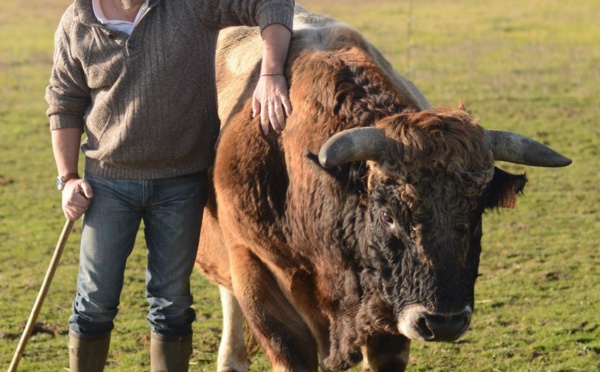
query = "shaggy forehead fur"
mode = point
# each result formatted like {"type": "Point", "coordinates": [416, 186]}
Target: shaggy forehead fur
{"type": "Point", "coordinates": [436, 149]}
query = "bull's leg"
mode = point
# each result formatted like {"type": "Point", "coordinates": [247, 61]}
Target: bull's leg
{"type": "Point", "coordinates": [232, 351]}
{"type": "Point", "coordinates": [386, 353]}
{"type": "Point", "coordinates": [283, 335]}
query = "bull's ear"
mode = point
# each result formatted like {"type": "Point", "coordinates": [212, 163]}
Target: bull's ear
{"type": "Point", "coordinates": [461, 105]}
{"type": "Point", "coordinates": [504, 188]}
{"type": "Point", "coordinates": [338, 172]}
{"type": "Point", "coordinates": [353, 176]}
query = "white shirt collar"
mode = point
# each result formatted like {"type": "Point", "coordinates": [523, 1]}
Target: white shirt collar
{"type": "Point", "coordinates": [117, 24]}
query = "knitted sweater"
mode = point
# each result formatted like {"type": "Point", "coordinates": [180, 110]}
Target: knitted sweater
{"type": "Point", "coordinates": [147, 102]}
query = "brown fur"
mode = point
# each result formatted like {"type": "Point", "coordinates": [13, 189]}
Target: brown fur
{"type": "Point", "coordinates": [283, 234]}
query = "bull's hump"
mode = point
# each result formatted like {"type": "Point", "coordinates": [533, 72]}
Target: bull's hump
{"type": "Point", "coordinates": [318, 32]}
{"type": "Point", "coordinates": [304, 19]}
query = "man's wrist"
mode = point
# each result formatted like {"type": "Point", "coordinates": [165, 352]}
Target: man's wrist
{"type": "Point", "coordinates": [61, 181]}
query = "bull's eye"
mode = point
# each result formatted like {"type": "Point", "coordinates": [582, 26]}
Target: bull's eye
{"type": "Point", "coordinates": [461, 228]}
{"type": "Point", "coordinates": [387, 218]}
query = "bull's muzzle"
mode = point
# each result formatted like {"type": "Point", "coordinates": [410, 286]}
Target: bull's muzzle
{"type": "Point", "coordinates": [416, 323]}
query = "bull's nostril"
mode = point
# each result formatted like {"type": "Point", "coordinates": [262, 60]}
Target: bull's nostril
{"type": "Point", "coordinates": [424, 330]}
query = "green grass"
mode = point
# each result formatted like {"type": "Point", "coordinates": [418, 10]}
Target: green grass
{"type": "Point", "coordinates": [529, 66]}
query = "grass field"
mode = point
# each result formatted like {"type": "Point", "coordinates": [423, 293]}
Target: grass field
{"type": "Point", "coordinates": [531, 66]}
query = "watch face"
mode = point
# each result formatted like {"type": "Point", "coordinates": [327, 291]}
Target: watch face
{"type": "Point", "coordinates": [61, 181]}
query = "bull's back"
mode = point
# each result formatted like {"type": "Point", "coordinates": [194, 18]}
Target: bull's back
{"type": "Point", "coordinates": [239, 53]}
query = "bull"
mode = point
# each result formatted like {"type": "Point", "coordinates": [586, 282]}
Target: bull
{"type": "Point", "coordinates": [358, 229]}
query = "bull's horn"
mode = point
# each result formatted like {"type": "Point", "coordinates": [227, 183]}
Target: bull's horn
{"type": "Point", "coordinates": [357, 144]}
{"type": "Point", "coordinates": [515, 148]}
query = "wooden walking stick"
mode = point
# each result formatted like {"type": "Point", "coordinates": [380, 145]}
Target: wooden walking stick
{"type": "Point", "coordinates": [37, 306]}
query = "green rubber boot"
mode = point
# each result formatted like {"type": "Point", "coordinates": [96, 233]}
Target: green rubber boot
{"type": "Point", "coordinates": [170, 354]}
{"type": "Point", "coordinates": [87, 354]}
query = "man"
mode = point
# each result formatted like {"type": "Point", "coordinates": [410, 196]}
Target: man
{"type": "Point", "coordinates": [138, 78]}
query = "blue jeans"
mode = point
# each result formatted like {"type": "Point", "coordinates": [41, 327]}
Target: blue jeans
{"type": "Point", "coordinates": [172, 213]}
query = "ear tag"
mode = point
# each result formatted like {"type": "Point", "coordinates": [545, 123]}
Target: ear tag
{"type": "Point", "coordinates": [509, 200]}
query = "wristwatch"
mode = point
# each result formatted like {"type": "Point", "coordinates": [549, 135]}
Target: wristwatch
{"type": "Point", "coordinates": [61, 181]}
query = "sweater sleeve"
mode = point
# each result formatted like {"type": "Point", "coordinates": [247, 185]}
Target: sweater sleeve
{"type": "Point", "coordinates": [226, 13]}
{"type": "Point", "coordinates": [68, 94]}
{"type": "Point", "coordinates": [273, 11]}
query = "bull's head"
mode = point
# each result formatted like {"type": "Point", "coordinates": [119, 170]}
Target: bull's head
{"type": "Point", "coordinates": [431, 176]}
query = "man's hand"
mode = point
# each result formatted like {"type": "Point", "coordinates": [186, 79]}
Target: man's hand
{"type": "Point", "coordinates": [271, 101]}
{"type": "Point", "coordinates": [76, 198]}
